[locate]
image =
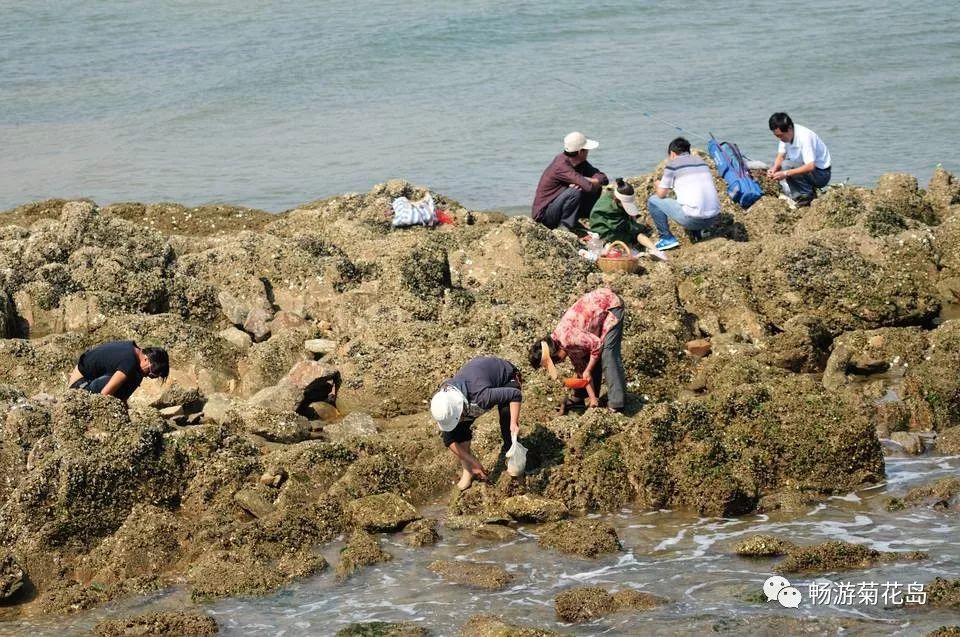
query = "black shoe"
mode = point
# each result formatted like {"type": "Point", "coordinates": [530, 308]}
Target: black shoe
{"type": "Point", "coordinates": [803, 202]}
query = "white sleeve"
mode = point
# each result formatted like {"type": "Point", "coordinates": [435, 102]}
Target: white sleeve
{"type": "Point", "coordinates": [807, 153]}
{"type": "Point", "coordinates": [782, 149]}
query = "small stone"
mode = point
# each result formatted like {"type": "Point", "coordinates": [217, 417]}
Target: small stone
{"type": "Point", "coordinates": [495, 532]}
{"type": "Point", "coordinates": [530, 508]}
{"type": "Point", "coordinates": [699, 347]}
{"type": "Point", "coordinates": [864, 365]}
{"type": "Point", "coordinates": [320, 346]}
{"type": "Point", "coordinates": [194, 419]}
{"type": "Point", "coordinates": [237, 337]}
{"type": "Point", "coordinates": [171, 412]}
{"type": "Point", "coordinates": [481, 575]}
{"type": "Point", "coordinates": [253, 503]}
{"type": "Point", "coordinates": [763, 546]}
{"type": "Point", "coordinates": [233, 308]}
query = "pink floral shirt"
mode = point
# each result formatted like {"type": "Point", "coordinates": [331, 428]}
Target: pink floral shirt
{"type": "Point", "coordinates": [584, 326]}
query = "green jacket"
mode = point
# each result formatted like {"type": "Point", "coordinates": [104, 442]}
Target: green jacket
{"type": "Point", "coordinates": [610, 222]}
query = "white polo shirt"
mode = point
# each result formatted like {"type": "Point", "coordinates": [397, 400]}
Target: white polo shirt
{"type": "Point", "coordinates": [692, 180]}
{"type": "Point", "coordinates": [806, 147]}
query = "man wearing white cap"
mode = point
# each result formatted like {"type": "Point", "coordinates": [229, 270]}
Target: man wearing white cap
{"type": "Point", "coordinates": [481, 384]}
{"type": "Point", "coordinates": [569, 186]}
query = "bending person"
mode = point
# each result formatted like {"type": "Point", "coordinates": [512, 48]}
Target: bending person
{"type": "Point", "coordinates": [803, 160]}
{"type": "Point", "coordinates": [117, 368]}
{"type": "Point", "coordinates": [481, 384]}
{"type": "Point", "coordinates": [589, 334]}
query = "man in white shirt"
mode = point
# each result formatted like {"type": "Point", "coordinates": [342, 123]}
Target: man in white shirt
{"type": "Point", "coordinates": [696, 207]}
{"type": "Point", "coordinates": [803, 160]}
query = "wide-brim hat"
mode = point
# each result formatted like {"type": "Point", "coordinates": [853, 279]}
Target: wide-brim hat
{"type": "Point", "coordinates": [446, 407]}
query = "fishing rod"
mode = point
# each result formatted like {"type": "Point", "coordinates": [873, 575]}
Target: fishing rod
{"type": "Point", "coordinates": [679, 128]}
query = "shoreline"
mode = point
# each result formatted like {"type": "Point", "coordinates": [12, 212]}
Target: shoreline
{"type": "Point", "coordinates": [797, 305]}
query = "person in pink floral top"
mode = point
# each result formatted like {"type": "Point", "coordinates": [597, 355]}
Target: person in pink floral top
{"type": "Point", "coordinates": [589, 334]}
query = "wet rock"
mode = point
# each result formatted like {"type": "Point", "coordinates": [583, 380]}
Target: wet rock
{"type": "Point", "coordinates": [254, 502]}
{"type": "Point", "coordinates": [910, 441]}
{"type": "Point", "coordinates": [381, 512]}
{"type": "Point", "coordinates": [530, 508]}
{"type": "Point", "coordinates": [495, 532]}
{"type": "Point", "coordinates": [584, 604]}
{"type": "Point", "coordinates": [320, 346]}
{"type": "Point", "coordinates": [383, 629]}
{"type": "Point", "coordinates": [257, 324]}
{"type": "Point", "coordinates": [421, 533]}
{"type": "Point", "coordinates": [460, 522]}
{"type": "Point", "coordinates": [836, 555]}
{"type": "Point", "coordinates": [12, 575]}
{"type": "Point", "coordinates": [788, 500]}
{"type": "Point", "coordinates": [493, 626]}
{"type": "Point", "coordinates": [161, 624]}
{"type": "Point", "coordinates": [930, 386]}
{"type": "Point", "coordinates": [943, 593]}
{"type": "Point", "coordinates": [476, 574]}
{"type": "Point", "coordinates": [248, 571]}
{"type": "Point", "coordinates": [584, 537]}
{"type": "Point", "coordinates": [322, 410]}
{"type": "Point", "coordinates": [763, 546]}
{"type": "Point", "coordinates": [362, 549]}
{"type": "Point", "coordinates": [236, 337]}
{"type": "Point", "coordinates": [943, 495]}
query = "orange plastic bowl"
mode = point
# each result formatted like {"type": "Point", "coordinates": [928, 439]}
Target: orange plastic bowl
{"type": "Point", "coordinates": [575, 383]}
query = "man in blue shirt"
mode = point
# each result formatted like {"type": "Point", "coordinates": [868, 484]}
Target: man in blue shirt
{"type": "Point", "coordinates": [481, 384]}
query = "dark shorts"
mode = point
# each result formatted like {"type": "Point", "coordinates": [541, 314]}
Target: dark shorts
{"type": "Point", "coordinates": [463, 432]}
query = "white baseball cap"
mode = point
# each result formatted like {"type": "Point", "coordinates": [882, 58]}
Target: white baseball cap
{"type": "Point", "coordinates": [577, 141]}
{"type": "Point", "coordinates": [629, 202]}
{"type": "Point", "coordinates": [446, 406]}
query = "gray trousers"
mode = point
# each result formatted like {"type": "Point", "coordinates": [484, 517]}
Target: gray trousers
{"type": "Point", "coordinates": [611, 367]}
{"type": "Point", "coordinates": [567, 207]}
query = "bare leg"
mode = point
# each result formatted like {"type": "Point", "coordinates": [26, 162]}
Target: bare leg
{"type": "Point", "coordinates": [75, 375]}
{"type": "Point", "coordinates": [471, 466]}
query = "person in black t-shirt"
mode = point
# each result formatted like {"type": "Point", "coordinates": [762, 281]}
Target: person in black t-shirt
{"type": "Point", "coordinates": [117, 368]}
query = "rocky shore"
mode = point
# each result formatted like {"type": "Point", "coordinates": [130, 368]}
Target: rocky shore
{"type": "Point", "coordinates": [305, 345]}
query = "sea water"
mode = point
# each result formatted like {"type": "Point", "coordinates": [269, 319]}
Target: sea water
{"type": "Point", "coordinates": [270, 105]}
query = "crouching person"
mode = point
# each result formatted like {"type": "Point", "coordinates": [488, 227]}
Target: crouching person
{"type": "Point", "coordinates": [481, 384]}
{"type": "Point", "coordinates": [117, 368]}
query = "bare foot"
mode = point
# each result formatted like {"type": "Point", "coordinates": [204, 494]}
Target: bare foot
{"type": "Point", "coordinates": [466, 479]}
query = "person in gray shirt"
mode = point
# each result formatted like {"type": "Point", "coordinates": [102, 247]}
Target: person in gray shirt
{"type": "Point", "coordinates": [481, 384]}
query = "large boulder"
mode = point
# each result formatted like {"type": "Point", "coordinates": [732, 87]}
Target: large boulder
{"type": "Point", "coordinates": [362, 549]}
{"type": "Point", "coordinates": [583, 536]}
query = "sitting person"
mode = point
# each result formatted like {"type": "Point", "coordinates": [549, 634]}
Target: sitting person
{"type": "Point", "coordinates": [117, 368]}
{"type": "Point", "coordinates": [589, 334]}
{"type": "Point", "coordinates": [697, 206]}
{"type": "Point", "coordinates": [803, 161]}
{"type": "Point", "coordinates": [613, 217]}
{"type": "Point", "coordinates": [569, 186]}
{"type": "Point", "coordinates": [481, 384]}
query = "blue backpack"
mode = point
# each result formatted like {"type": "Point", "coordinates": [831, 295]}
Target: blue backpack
{"type": "Point", "coordinates": [741, 187]}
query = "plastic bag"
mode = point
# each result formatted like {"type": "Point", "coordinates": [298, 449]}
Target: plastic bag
{"type": "Point", "coordinates": [516, 458]}
{"type": "Point", "coordinates": [414, 213]}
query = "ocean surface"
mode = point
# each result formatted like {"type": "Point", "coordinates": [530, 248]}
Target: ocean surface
{"type": "Point", "coordinates": [270, 105]}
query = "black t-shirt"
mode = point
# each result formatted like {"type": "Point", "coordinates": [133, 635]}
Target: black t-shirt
{"type": "Point", "coordinates": [115, 356]}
